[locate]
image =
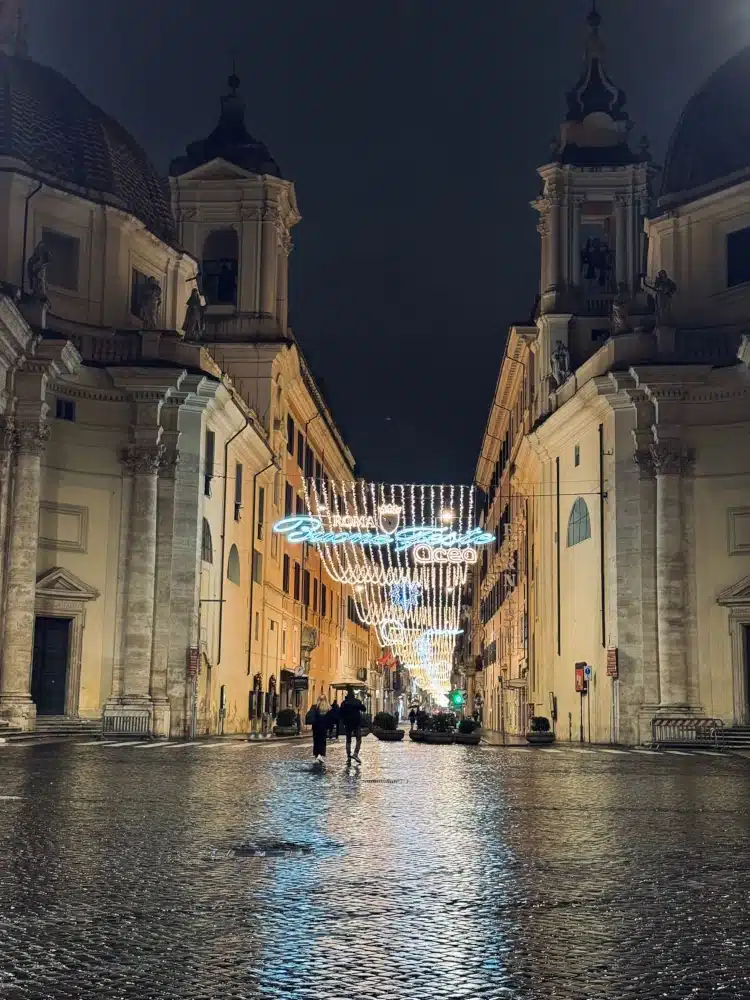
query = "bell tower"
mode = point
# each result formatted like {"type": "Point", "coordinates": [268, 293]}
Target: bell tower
{"type": "Point", "coordinates": [596, 194]}
{"type": "Point", "coordinates": [234, 213]}
{"type": "Point", "coordinates": [13, 28]}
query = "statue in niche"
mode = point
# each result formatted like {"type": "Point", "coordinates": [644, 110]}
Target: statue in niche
{"type": "Point", "coordinates": [195, 325]}
{"type": "Point", "coordinates": [664, 289]}
{"type": "Point", "coordinates": [621, 309]}
{"type": "Point", "coordinates": [597, 261]}
{"type": "Point", "coordinates": [36, 270]}
{"type": "Point", "coordinates": [149, 309]}
{"type": "Point", "coordinates": [560, 363]}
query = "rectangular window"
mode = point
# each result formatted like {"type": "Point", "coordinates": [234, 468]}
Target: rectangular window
{"type": "Point", "coordinates": [289, 434]}
{"type": "Point", "coordinates": [257, 566]}
{"type": "Point", "coordinates": [577, 455]}
{"type": "Point", "coordinates": [261, 512]}
{"type": "Point", "coordinates": [323, 600]}
{"type": "Point", "coordinates": [65, 409]}
{"type": "Point", "coordinates": [288, 500]}
{"type": "Point", "coordinates": [300, 508]}
{"type": "Point", "coordinates": [237, 491]}
{"type": "Point", "coordinates": [285, 574]}
{"type": "Point", "coordinates": [257, 624]}
{"type": "Point", "coordinates": [64, 252]}
{"type": "Point", "coordinates": [318, 474]}
{"type": "Point", "coordinates": [283, 640]}
{"type": "Point", "coordinates": [315, 595]}
{"type": "Point", "coordinates": [297, 576]}
{"type": "Point", "coordinates": [738, 257]}
{"type": "Point", "coordinates": [138, 282]}
{"type": "Point", "coordinates": [208, 462]}
{"type": "Point", "coordinates": [300, 449]}
{"type": "Point", "coordinates": [309, 462]}
{"type": "Point", "coordinates": [276, 488]}
{"type": "Point", "coordinates": [275, 546]}
{"type": "Point", "coordinates": [306, 588]}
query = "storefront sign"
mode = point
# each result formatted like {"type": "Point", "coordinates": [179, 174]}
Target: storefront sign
{"type": "Point", "coordinates": [612, 666]}
{"type": "Point", "coordinates": [301, 683]}
{"type": "Point", "coordinates": [580, 678]}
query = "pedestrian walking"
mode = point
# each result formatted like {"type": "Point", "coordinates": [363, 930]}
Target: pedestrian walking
{"type": "Point", "coordinates": [351, 716]}
{"type": "Point", "coordinates": [317, 717]}
{"type": "Point", "coordinates": [412, 718]}
{"type": "Point", "coordinates": [334, 721]}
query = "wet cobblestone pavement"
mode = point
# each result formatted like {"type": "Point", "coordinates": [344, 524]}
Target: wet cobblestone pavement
{"type": "Point", "coordinates": [235, 871]}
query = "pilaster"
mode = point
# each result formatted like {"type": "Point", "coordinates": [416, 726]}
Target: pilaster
{"type": "Point", "coordinates": [16, 705]}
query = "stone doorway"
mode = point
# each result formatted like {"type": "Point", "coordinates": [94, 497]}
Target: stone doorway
{"type": "Point", "coordinates": [737, 600]}
{"type": "Point", "coordinates": [49, 673]}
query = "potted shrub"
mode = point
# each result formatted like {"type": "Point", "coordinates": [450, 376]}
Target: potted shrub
{"type": "Point", "coordinates": [441, 729]}
{"type": "Point", "coordinates": [540, 731]}
{"type": "Point", "coordinates": [385, 727]}
{"type": "Point", "coordinates": [286, 723]}
{"type": "Point", "coordinates": [468, 732]}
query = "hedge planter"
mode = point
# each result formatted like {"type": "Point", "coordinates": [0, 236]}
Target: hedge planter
{"type": "Point", "coordinates": [388, 735]}
{"type": "Point", "coordinates": [469, 739]}
{"type": "Point", "coordinates": [442, 738]}
{"type": "Point", "coordinates": [285, 731]}
{"type": "Point", "coordinates": [417, 735]}
{"type": "Point", "coordinates": [540, 739]}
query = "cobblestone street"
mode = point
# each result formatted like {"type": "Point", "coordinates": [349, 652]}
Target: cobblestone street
{"type": "Point", "coordinates": [431, 872]}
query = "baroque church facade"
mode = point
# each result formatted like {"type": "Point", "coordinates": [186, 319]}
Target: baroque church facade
{"type": "Point", "coordinates": [615, 466]}
{"type": "Point", "coordinates": [157, 417]}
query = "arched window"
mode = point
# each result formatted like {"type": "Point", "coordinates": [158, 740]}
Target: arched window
{"type": "Point", "coordinates": [233, 566]}
{"type": "Point", "coordinates": [207, 547]}
{"type": "Point", "coordinates": [219, 267]}
{"type": "Point", "coordinates": [579, 523]}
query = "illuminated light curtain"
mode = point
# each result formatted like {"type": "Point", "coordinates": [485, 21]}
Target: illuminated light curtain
{"type": "Point", "coordinates": [405, 551]}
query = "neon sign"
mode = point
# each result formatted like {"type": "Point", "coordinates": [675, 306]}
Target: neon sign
{"type": "Point", "coordinates": [310, 529]}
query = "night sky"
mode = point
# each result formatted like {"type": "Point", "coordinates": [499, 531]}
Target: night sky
{"type": "Point", "coordinates": [412, 130]}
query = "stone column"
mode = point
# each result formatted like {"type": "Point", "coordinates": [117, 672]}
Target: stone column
{"type": "Point", "coordinates": [648, 597]}
{"type": "Point", "coordinates": [575, 262]}
{"type": "Point", "coordinates": [282, 281]}
{"type": "Point", "coordinates": [20, 582]}
{"type": "Point", "coordinates": [162, 587]}
{"type": "Point", "coordinates": [621, 241]}
{"type": "Point", "coordinates": [553, 244]}
{"type": "Point", "coordinates": [668, 459]}
{"type": "Point", "coordinates": [7, 440]}
{"type": "Point", "coordinates": [269, 257]}
{"type": "Point", "coordinates": [142, 461]}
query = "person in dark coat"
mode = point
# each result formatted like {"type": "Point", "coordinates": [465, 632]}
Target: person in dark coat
{"type": "Point", "coordinates": [318, 719]}
{"type": "Point", "coordinates": [412, 718]}
{"type": "Point", "coordinates": [352, 710]}
{"type": "Point", "coordinates": [334, 721]}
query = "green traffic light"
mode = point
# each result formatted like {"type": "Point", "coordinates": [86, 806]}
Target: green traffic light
{"type": "Point", "coordinates": [457, 698]}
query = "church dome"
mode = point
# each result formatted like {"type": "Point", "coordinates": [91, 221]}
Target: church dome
{"type": "Point", "coordinates": [47, 124]}
{"type": "Point", "coordinates": [710, 148]}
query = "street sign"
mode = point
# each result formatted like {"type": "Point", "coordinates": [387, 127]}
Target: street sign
{"type": "Point", "coordinates": [612, 667]}
{"type": "Point", "coordinates": [580, 679]}
{"type": "Point", "coordinates": [588, 673]}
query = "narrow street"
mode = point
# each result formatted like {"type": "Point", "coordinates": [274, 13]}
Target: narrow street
{"type": "Point", "coordinates": [137, 871]}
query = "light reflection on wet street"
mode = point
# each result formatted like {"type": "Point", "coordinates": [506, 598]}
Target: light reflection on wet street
{"type": "Point", "coordinates": [236, 871]}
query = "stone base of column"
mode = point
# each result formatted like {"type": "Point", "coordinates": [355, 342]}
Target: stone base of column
{"type": "Point", "coordinates": [678, 711]}
{"type": "Point", "coordinates": [162, 712]}
{"type": "Point", "coordinates": [128, 716]}
{"type": "Point", "coordinates": [19, 711]}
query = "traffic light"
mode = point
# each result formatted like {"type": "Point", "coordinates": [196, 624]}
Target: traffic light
{"type": "Point", "coordinates": [457, 699]}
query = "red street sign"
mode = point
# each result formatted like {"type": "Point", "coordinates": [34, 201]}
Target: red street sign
{"type": "Point", "coordinates": [193, 660]}
{"type": "Point", "coordinates": [580, 678]}
{"type": "Point", "coordinates": [612, 668]}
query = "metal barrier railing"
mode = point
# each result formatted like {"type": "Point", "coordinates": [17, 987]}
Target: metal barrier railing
{"type": "Point", "coordinates": [686, 731]}
{"type": "Point", "coordinates": [127, 724]}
